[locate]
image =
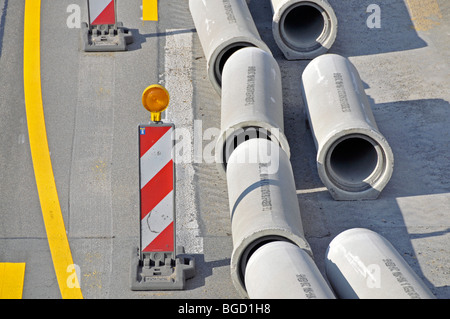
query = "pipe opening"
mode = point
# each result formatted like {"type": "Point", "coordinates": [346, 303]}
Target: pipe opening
{"type": "Point", "coordinates": [241, 135]}
{"type": "Point", "coordinates": [354, 161]}
{"type": "Point", "coordinates": [302, 25]}
{"type": "Point", "coordinates": [224, 55]}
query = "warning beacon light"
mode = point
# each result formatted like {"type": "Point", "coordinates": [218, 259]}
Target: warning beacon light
{"type": "Point", "coordinates": [155, 99]}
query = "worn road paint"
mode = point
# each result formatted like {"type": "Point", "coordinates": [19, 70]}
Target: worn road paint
{"type": "Point", "coordinates": [178, 81]}
{"type": "Point", "coordinates": [425, 14]}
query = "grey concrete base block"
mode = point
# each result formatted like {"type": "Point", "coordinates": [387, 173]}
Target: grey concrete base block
{"type": "Point", "coordinates": [105, 38]}
{"type": "Point", "coordinates": [161, 270]}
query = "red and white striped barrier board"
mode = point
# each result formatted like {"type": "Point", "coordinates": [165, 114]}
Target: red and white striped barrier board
{"type": "Point", "coordinates": [156, 172]}
{"type": "Point", "coordinates": [102, 12]}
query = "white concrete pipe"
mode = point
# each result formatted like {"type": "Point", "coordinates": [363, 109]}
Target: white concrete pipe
{"type": "Point", "coordinates": [223, 27]}
{"type": "Point", "coordinates": [252, 103]}
{"type": "Point", "coordinates": [263, 203]}
{"type": "Point", "coordinates": [303, 29]}
{"type": "Point", "coordinates": [282, 270]}
{"type": "Point", "coordinates": [362, 264]}
{"type": "Point", "coordinates": [354, 160]}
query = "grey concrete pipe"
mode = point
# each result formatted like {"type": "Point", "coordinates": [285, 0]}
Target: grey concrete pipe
{"type": "Point", "coordinates": [303, 29]}
{"type": "Point", "coordinates": [282, 270]}
{"type": "Point", "coordinates": [252, 102]}
{"type": "Point", "coordinates": [223, 27]}
{"type": "Point", "coordinates": [263, 203]}
{"type": "Point", "coordinates": [354, 160]}
{"type": "Point", "coordinates": [362, 264]}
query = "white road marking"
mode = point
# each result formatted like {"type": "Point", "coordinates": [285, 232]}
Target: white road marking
{"type": "Point", "coordinates": [178, 81]}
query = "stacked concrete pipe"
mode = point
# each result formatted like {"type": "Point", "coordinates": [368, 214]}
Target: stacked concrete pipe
{"type": "Point", "coordinates": [361, 263]}
{"type": "Point", "coordinates": [223, 27]}
{"type": "Point", "coordinates": [269, 247]}
{"type": "Point", "coordinates": [354, 160]}
{"type": "Point", "coordinates": [252, 102]}
{"type": "Point", "coordinates": [303, 29]}
{"type": "Point", "coordinates": [252, 152]}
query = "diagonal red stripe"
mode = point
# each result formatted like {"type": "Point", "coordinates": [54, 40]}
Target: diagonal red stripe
{"type": "Point", "coordinates": [156, 189]}
{"type": "Point", "coordinates": [164, 241]}
{"type": "Point", "coordinates": [151, 136]}
{"type": "Point", "coordinates": [107, 16]}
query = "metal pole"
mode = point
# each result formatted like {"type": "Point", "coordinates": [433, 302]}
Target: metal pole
{"type": "Point", "coordinates": [89, 13]}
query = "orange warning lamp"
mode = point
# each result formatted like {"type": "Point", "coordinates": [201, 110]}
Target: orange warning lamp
{"type": "Point", "coordinates": [155, 99]}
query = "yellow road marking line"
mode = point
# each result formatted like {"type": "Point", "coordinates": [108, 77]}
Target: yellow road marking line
{"type": "Point", "coordinates": [425, 14]}
{"type": "Point", "coordinates": [45, 181]}
{"type": "Point", "coordinates": [150, 10]}
{"type": "Point", "coordinates": [11, 280]}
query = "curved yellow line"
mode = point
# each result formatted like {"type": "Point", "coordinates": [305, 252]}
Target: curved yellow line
{"type": "Point", "coordinates": [48, 196]}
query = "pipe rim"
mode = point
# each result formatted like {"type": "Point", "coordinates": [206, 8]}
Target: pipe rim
{"type": "Point", "coordinates": [250, 249]}
{"type": "Point", "coordinates": [322, 41]}
{"type": "Point", "coordinates": [243, 250]}
{"type": "Point", "coordinates": [233, 140]}
{"type": "Point", "coordinates": [378, 175]}
{"type": "Point", "coordinates": [223, 149]}
{"type": "Point", "coordinates": [224, 54]}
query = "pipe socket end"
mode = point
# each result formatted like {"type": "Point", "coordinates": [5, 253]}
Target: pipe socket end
{"type": "Point", "coordinates": [243, 251]}
{"type": "Point", "coordinates": [224, 51]}
{"type": "Point", "coordinates": [304, 29]}
{"type": "Point", "coordinates": [356, 165]}
{"type": "Point", "coordinates": [234, 136]}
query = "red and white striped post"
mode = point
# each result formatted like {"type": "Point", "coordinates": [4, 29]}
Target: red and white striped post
{"type": "Point", "coordinates": [157, 196]}
{"type": "Point", "coordinates": [156, 175]}
{"type": "Point", "coordinates": [102, 12]}
{"type": "Point", "coordinates": [158, 267]}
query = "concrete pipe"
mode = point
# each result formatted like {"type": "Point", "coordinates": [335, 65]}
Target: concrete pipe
{"type": "Point", "coordinates": [252, 103]}
{"type": "Point", "coordinates": [362, 264]}
{"type": "Point", "coordinates": [281, 270]}
{"type": "Point", "coordinates": [303, 29]}
{"type": "Point", "coordinates": [263, 203]}
{"type": "Point", "coordinates": [354, 160]}
{"type": "Point", "coordinates": [223, 27]}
